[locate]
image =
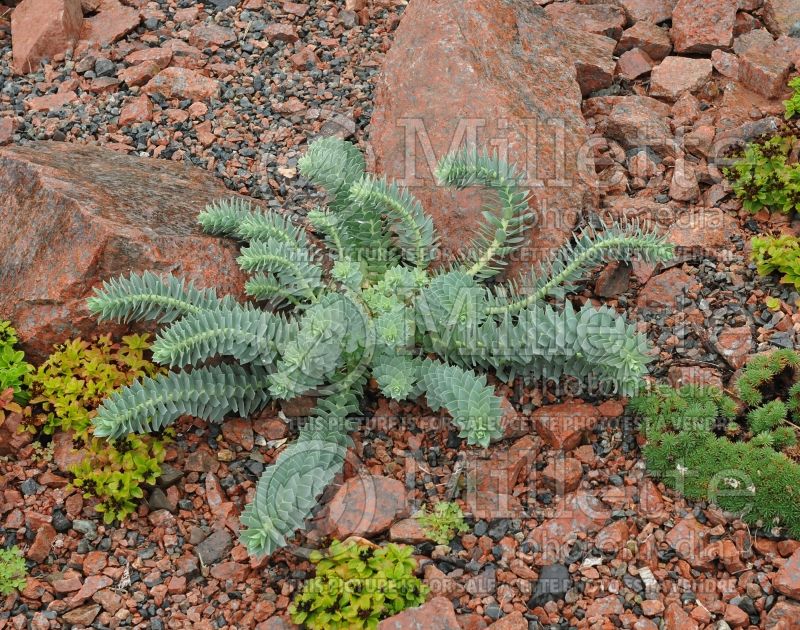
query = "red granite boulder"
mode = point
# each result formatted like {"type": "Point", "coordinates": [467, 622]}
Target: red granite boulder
{"type": "Point", "coordinates": [74, 216]}
{"type": "Point", "coordinates": [437, 613]}
{"type": "Point", "coordinates": [43, 28]}
{"type": "Point", "coordinates": [490, 73]}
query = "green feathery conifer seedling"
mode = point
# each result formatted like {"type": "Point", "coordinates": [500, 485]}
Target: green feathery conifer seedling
{"type": "Point", "coordinates": [381, 312]}
{"type": "Point", "coordinates": [731, 451]}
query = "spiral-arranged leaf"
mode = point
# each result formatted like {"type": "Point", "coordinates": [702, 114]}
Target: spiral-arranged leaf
{"type": "Point", "coordinates": [271, 226]}
{"type": "Point", "coordinates": [466, 396]}
{"type": "Point", "coordinates": [501, 233]}
{"type": "Point", "coordinates": [288, 490]}
{"type": "Point", "coordinates": [327, 333]}
{"type": "Point", "coordinates": [335, 234]}
{"type": "Point", "coordinates": [266, 287]}
{"type": "Point", "coordinates": [361, 232]}
{"type": "Point", "coordinates": [414, 229]}
{"type": "Point", "coordinates": [291, 267]}
{"type": "Point", "coordinates": [147, 296]}
{"type": "Point", "coordinates": [247, 334]}
{"type": "Point", "coordinates": [540, 342]}
{"type": "Point", "coordinates": [151, 404]}
{"type": "Point", "coordinates": [573, 261]}
{"type": "Point", "coordinates": [398, 376]}
{"type": "Point", "coordinates": [333, 164]}
{"type": "Point", "coordinates": [224, 216]}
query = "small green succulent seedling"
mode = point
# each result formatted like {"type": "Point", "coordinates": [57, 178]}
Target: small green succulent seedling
{"type": "Point", "coordinates": [12, 570]}
{"type": "Point", "coordinates": [381, 313]}
{"type": "Point", "coordinates": [772, 303]}
{"type": "Point", "coordinates": [356, 586]}
{"type": "Point", "coordinates": [690, 430]}
{"type": "Point", "coordinates": [779, 254]}
{"type": "Point", "coordinates": [13, 367]}
{"type": "Point", "coordinates": [443, 523]}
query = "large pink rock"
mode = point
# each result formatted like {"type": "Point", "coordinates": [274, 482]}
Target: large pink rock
{"type": "Point", "coordinates": [600, 19]}
{"type": "Point", "coordinates": [635, 122]}
{"type": "Point", "coordinates": [664, 290]}
{"type": "Point", "coordinates": [482, 71]}
{"type": "Point", "coordinates": [648, 37]}
{"type": "Point", "coordinates": [676, 75]}
{"type": "Point", "coordinates": [365, 506]}
{"type": "Point", "coordinates": [676, 618]}
{"type": "Point", "coordinates": [136, 110]}
{"type": "Point", "coordinates": [13, 437]}
{"type": "Point", "coordinates": [764, 65]}
{"type": "Point", "coordinates": [689, 539]}
{"type": "Point", "coordinates": [564, 426]}
{"type": "Point", "coordinates": [112, 22]}
{"type": "Point", "coordinates": [8, 127]}
{"type": "Point", "coordinates": [781, 615]}
{"type": "Point", "coordinates": [787, 580]}
{"type": "Point", "coordinates": [50, 101]}
{"type": "Point", "coordinates": [593, 56]}
{"type": "Point", "coordinates": [43, 28]}
{"type": "Point", "coordinates": [633, 64]}
{"type": "Point", "coordinates": [700, 26]}
{"type": "Point", "coordinates": [652, 11]}
{"type": "Point", "coordinates": [782, 17]}
{"type": "Point", "coordinates": [74, 216]}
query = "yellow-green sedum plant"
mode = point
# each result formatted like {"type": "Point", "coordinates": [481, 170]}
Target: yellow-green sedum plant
{"type": "Point", "coordinates": [778, 254]}
{"type": "Point", "coordinates": [66, 391]}
{"type": "Point", "coordinates": [382, 312]}
{"type": "Point", "coordinates": [356, 586]}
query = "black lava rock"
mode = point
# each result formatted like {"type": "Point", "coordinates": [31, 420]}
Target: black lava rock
{"type": "Point", "coordinates": [553, 583]}
{"type": "Point", "coordinates": [29, 487]}
{"type": "Point", "coordinates": [60, 522]}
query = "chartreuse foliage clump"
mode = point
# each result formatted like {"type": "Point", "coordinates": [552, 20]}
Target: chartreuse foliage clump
{"type": "Point", "coordinates": [792, 105]}
{"type": "Point", "coordinates": [778, 254]}
{"type": "Point", "coordinates": [12, 570]}
{"type": "Point", "coordinates": [65, 392]}
{"type": "Point", "coordinates": [78, 375]}
{"type": "Point", "coordinates": [767, 175]}
{"type": "Point", "coordinates": [116, 474]}
{"type": "Point", "coordinates": [381, 312]}
{"type": "Point", "coordinates": [356, 586]}
{"type": "Point", "coordinates": [711, 446]}
{"type": "Point", "coordinates": [443, 522]}
{"type": "Point", "coordinates": [13, 367]}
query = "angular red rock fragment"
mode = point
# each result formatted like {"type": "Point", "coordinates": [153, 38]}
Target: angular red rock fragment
{"type": "Point", "coordinates": [41, 29]}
